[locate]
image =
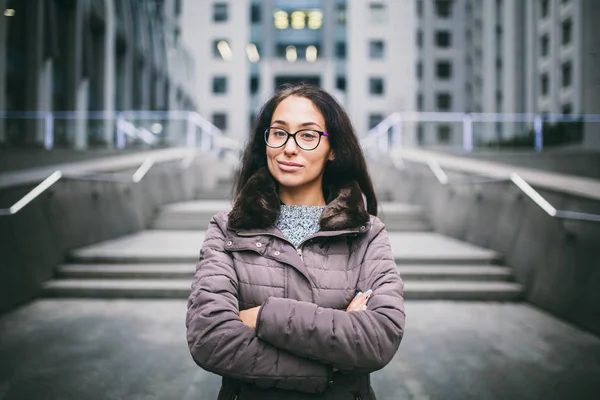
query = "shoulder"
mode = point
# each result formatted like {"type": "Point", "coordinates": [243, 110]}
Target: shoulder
{"type": "Point", "coordinates": [221, 218]}
{"type": "Point", "coordinates": [218, 222]}
{"type": "Point", "coordinates": [376, 226]}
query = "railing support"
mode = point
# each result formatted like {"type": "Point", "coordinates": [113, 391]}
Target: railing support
{"type": "Point", "coordinates": [467, 125]}
{"type": "Point", "coordinates": [538, 127]}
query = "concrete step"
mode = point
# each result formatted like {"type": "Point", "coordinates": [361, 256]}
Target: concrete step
{"type": "Point", "coordinates": [180, 289]}
{"type": "Point", "coordinates": [485, 273]}
{"type": "Point", "coordinates": [457, 290]}
{"type": "Point", "coordinates": [194, 215]}
{"type": "Point", "coordinates": [222, 191]}
{"type": "Point", "coordinates": [126, 271]}
{"type": "Point", "coordinates": [481, 273]}
{"type": "Point", "coordinates": [155, 246]}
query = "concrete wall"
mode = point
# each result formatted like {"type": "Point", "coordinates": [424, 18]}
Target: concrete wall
{"type": "Point", "coordinates": [73, 214]}
{"type": "Point", "coordinates": [558, 262]}
{"type": "Point", "coordinates": [580, 163]}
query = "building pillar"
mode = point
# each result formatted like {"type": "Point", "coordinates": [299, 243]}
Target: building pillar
{"type": "Point", "coordinates": [3, 56]}
{"type": "Point", "coordinates": [38, 90]}
{"type": "Point", "coordinates": [77, 84]}
{"type": "Point", "coordinates": [590, 74]}
{"type": "Point", "coordinates": [108, 78]}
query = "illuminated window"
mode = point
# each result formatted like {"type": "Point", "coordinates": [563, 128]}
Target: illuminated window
{"type": "Point", "coordinates": [280, 19]}
{"type": "Point", "coordinates": [298, 20]}
{"type": "Point", "coordinates": [315, 19]}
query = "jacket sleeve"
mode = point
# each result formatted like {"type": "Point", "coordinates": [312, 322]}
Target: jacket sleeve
{"type": "Point", "coordinates": [220, 343]}
{"type": "Point", "coordinates": [365, 340]}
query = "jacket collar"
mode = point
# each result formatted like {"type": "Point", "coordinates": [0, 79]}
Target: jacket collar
{"type": "Point", "coordinates": [257, 206]}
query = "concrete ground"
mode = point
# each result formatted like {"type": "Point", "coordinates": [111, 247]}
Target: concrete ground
{"type": "Point", "coordinates": [136, 349]}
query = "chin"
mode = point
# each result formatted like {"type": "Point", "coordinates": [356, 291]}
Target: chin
{"type": "Point", "coordinates": [290, 180]}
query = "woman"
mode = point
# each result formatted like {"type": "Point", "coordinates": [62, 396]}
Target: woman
{"type": "Point", "coordinates": [279, 300]}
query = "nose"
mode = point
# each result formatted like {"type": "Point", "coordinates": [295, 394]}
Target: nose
{"type": "Point", "coordinates": [290, 147]}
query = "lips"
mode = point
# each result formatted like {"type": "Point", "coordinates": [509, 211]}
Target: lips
{"type": "Point", "coordinates": [288, 166]}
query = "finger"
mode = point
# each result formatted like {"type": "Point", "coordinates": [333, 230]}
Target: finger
{"type": "Point", "coordinates": [355, 299]}
{"type": "Point", "coordinates": [357, 304]}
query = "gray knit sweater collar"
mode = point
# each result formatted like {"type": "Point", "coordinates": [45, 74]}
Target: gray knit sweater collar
{"type": "Point", "coordinates": [299, 222]}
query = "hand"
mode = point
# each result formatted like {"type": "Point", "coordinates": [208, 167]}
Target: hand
{"type": "Point", "coordinates": [249, 316]}
{"type": "Point", "coordinates": [360, 301]}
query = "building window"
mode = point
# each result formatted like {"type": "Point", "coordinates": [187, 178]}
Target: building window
{"type": "Point", "coordinates": [374, 119]}
{"type": "Point", "coordinates": [545, 45]}
{"type": "Point", "coordinates": [443, 8]}
{"type": "Point", "coordinates": [544, 8]}
{"type": "Point", "coordinates": [376, 49]}
{"type": "Point", "coordinates": [567, 32]}
{"type": "Point", "coordinates": [220, 13]}
{"type": "Point", "coordinates": [255, 14]}
{"type": "Point", "coordinates": [443, 39]}
{"type": "Point", "coordinates": [221, 49]}
{"type": "Point", "coordinates": [220, 120]}
{"type": "Point", "coordinates": [420, 102]}
{"type": "Point", "coordinates": [567, 109]}
{"type": "Point", "coordinates": [567, 74]}
{"type": "Point", "coordinates": [378, 13]}
{"type": "Point", "coordinates": [420, 70]}
{"type": "Point", "coordinates": [444, 101]}
{"type": "Point", "coordinates": [443, 70]}
{"type": "Point", "coordinates": [443, 133]}
{"type": "Point", "coordinates": [340, 50]}
{"type": "Point", "coordinates": [340, 83]}
{"type": "Point", "coordinates": [340, 14]}
{"type": "Point", "coordinates": [177, 8]}
{"type": "Point", "coordinates": [499, 98]}
{"type": "Point", "coordinates": [419, 8]}
{"type": "Point", "coordinates": [419, 38]}
{"type": "Point", "coordinates": [253, 84]}
{"type": "Point", "coordinates": [219, 85]}
{"type": "Point", "coordinates": [376, 86]}
{"type": "Point", "coordinates": [544, 84]}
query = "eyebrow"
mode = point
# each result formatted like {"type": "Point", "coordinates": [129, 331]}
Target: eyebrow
{"type": "Point", "coordinates": [278, 121]}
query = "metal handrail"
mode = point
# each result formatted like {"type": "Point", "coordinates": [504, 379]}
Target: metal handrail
{"type": "Point", "coordinates": [136, 177]}
{"type": "Point", "coordinates": [210, 134]}
{"type": "Point", "coordinates": [522, 185]}
{"type": "Point", "coordinates": [378, 135]}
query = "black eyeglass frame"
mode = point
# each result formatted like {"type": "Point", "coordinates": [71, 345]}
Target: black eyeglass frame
{"type": "Point", "coordinates": [321, 134]}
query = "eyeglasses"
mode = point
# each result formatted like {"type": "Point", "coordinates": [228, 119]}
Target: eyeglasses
{"type": "Point", "coordinates": [306, 139]}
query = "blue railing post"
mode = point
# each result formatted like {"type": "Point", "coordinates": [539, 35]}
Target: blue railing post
{"type": "Point", "coordinates": [191, 131]}
{"type": "Point", "coordinates": [49, 131]}
{"type": "Point", "coordinates": [538, 128]}
{"type": "Point", "coordinates": [467, 125]}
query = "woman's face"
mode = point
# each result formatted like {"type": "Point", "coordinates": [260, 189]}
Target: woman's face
{"type": "Point", "coordinates": [290, 165]}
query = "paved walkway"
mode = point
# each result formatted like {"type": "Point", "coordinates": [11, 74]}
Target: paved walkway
{"type": "Point", "coordinates": [136, 349]}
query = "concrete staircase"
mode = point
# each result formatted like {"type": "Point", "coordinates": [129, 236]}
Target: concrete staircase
{"type": "Point", "coordinates": [160, 262]}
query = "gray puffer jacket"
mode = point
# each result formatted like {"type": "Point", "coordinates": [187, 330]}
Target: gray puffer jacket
{"type": "Point", "coordinates": [303, 330]}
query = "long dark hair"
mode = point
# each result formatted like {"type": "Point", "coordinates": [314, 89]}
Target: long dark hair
{"type": "Point", "coordinates": [349, 163]}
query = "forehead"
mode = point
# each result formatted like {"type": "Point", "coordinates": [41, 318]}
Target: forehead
{"type": "Point", "coordinates": [296, 110]}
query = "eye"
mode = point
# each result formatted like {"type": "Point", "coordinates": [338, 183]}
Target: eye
{"type": "Point", "coordinates": [278, 133]}
{"type": "Point", "coordinates": [309, 135]}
